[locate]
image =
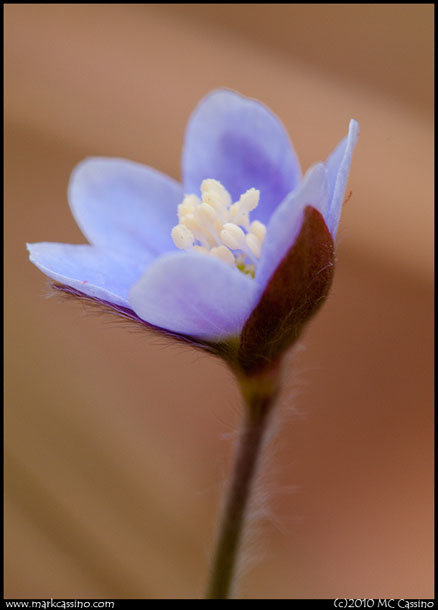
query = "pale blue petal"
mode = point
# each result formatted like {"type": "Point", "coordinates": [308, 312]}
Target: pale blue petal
{"type": "Point", "coordinates": [124, 206]}
{"type": "Point", "coordinates": [239, 142]}
{"type": "Point", "coordinates": [338, 166]}
{"type": "Point", "coordinates": [90, 270]}
{"type": "Point", "coordinates": [194, 294]}
{"type": "Point", "coordinates": [287, 220]}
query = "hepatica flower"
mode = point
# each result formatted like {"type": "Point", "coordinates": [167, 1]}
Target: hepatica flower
{"type": "Point", "coordinates": [235, 260]}
{"type": "Point", "coordinates": [240, 253]}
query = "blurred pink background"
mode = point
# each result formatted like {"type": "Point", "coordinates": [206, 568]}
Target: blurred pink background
{"type": "Point", "coordinates": [118, 446]}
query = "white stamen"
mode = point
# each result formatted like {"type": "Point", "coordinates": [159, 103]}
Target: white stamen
{"type": "Point", "coordinates": [211, 187]}
{"type": "Point", "coordinates": [258, 229]}
{"type": "Point", "coordinates": [216, 226]}
{"type": "Point", "coordinates": [201, 249]}
{"type": "Point", "coordinates": [233, 212]}
{"type": "Point", "coordinates": [188, 206]}
{"type": "Point", "coordinates": [182, 237]}
{"type": "Point", "coordinates": [223, 254]}
{"type": "Point", "coordinates": [232, 236]}
{"type": "Point", "coordinates": [206, 214]}
{"type": "Point", "coordinates": [249, 200]}
{"type": "Point", "coordinates": [253, 244]}
{"type": "Point", "coordinates": [198, 230]}
{"type": "Point", "coordinates": [189, 221]}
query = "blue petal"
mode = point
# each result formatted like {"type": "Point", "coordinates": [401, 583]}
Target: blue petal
{"type": "Point", "coordinates": [194, 294]}
{"type": "Point", "coordinates": [239, 142]}
{"type": "Point", "coordinates": [124, 206]}
{"type": "Point", "coordinates": [90, 270]}
{"type": "Point", "coordinates": [286, 222]}
{"type": "Point", "coordinates": [338, 166]}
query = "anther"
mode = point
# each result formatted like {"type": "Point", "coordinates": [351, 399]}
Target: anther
{"type": "Point", "coordinates": [232, 236]}
{"type": "Point", "coordinates": [223, 254]}
{"type": "Point", "coordinates": [188, 206]}
{"type": "Point", "coordinates": [258, 229]}
{"type": "Point", "coordinates": [211, 187]}
{"type": "Point", "coordinates": [206, 214]}
{"type": "Point", "coordinates": [182, 237]}
{"type": "Point", "coordinates": [249, 200]}
{"type": "Point", "coordinates": [253, 244]}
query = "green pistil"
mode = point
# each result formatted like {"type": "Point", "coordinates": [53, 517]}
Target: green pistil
{"type": "Point", "coordinates": [246, 269]}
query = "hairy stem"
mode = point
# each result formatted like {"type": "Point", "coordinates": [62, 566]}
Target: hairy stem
{"type": "Point", "coordinates": [237, 500]}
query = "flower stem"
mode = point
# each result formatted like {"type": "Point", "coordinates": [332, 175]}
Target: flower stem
{"type": "Point", "coordinates": [237, 500]}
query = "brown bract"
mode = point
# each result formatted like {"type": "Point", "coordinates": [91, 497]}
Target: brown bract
{"type": "Point", "coordinates": [295, 291]}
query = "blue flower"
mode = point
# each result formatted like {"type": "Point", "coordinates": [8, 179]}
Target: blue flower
{"type": "Point", "coordinates": [213, 282]}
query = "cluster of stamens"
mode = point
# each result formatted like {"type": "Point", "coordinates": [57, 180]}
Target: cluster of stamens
{"type": "Point", "coordinates": [216, 226]}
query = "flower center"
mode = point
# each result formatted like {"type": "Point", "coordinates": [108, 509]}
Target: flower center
{"type": "Point", "coordinates": [216, 226]}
